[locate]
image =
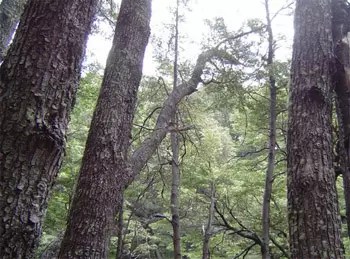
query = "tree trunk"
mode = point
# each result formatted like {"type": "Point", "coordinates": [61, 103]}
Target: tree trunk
{"type": "Point", "coordinates": [175, 169]}
{"type": "Point", "coordinates": [208, 230]}
{"type": "Point", "coordinates": [38, 83]}
{"type": "Point", "coordinates": [313, 214]}
{"type": "Point", "coordinates": [343, 114]}
{"type": "Point", "coordinates": [174, 200]}
{"type": "Point", "coordinates": [103, 175]}
{"type": "Point", "coordinates": [272, 141]}
{"type": "Point", "coordinates": [342, 89]}
{"type": "Point", "coordinates": [10, 12]}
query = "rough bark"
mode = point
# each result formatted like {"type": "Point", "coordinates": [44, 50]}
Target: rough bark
{"type": "Point", "coordinates": [342, 90]}
{"type": "Point", "coordinates": [272, 141]}
{"type": "Point", "coordinates": [175, 147]}
{"type": "Point", "coordinates": [103, 174]}
{"type": "Point", "coordinates": [313, 214]}
{"type": "Point", "coordinates": [10, 12]}
{"type": "Point", "coordinates": [208, 230]}
{"type": "Point", "coordinates": [38, 83]}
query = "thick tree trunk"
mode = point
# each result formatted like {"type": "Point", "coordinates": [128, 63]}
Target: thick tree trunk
{"type": "Point", "coordinates": [10, 12]}
{"type": "Point", "coordinates": [38, 83]}
{"type": "Point", "coordinates": [272, 142]}
{"type": "Point", "coordinates": [314, 222]}
{"type": "Point", "coordinates": [103, 175]}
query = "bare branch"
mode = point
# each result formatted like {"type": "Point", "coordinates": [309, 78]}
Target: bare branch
{"type": "Point", "coordinates": [246, 233]}
{"type": "Point", "coordinates": [288, 5]}
{"type": "Point", "coordinates": [245, 251]}
{"type": "Point", "coordinates": [280, 247]}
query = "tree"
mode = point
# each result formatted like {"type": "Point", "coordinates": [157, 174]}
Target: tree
{"type": "Point", "coordinates": [175, 163]}
{"type": "Point", "coordinates": [104, 175]}
{"type": "Point", "coordinates": [272, 139]}
{"type": "Point", "coordinates": [10, 12]}
{"type": "Point", "coordinates": [314, 222]}
{"type": "Point", "coordinates": [207, 232]}
{"type": "Point", "coordinates": [38, 82]}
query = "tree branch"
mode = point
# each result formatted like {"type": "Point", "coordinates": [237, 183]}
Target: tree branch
{"type": "Point", "coordinates": [246, 233]}
{"type": "Point", "coordinates": [280, 247]}
{"type": "Point", "coordinates": [142, 154]}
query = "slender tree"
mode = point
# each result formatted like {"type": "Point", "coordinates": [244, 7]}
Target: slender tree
{"type": "Point", "coordinates": [313, 214]}
{"type": "Point", "coordinates": [209, 228]}
{"type": "Point", "coordinates": [10, 12]}
{"type": "Point", "coordinates": [38, 83]}
{"type": "Point", "coordinates": [175, 167]}
{"type": "Point", "coordinates": [272, 139]}
{"type": "Point", "coordinates": [104, 175]}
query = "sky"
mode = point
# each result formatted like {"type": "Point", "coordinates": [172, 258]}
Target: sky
{"type": "Point", "coordinates": [234, 12]}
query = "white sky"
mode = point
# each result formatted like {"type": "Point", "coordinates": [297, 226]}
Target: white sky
{"type": "Point", "coordinates": [235, 12]}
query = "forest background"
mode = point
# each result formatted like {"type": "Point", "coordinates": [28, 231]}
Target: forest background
{"type": "Point", "coordinates": [228, 146]}
{"type": "Point", "coordinates": [224, 134]}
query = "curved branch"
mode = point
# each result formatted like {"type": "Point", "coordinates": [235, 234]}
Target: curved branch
{"type": "Point", "coordinates": [142, 154]}
{"type": "Point", "coordinates": [244, 232]}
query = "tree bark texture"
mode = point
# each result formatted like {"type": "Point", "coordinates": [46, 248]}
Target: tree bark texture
{"type": "Point", "coordinates": [38, 83]}
{"type": "Point", "coordinates": [10, 12]}
{"type": "Point", "coordinates": [272, 141]}
{"type": "Point", "coordinates": [104, 173]}
{"type": "Point", "coordinates": [313, 214]}
{"type": "Point", "coordinates": [342, 90]}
